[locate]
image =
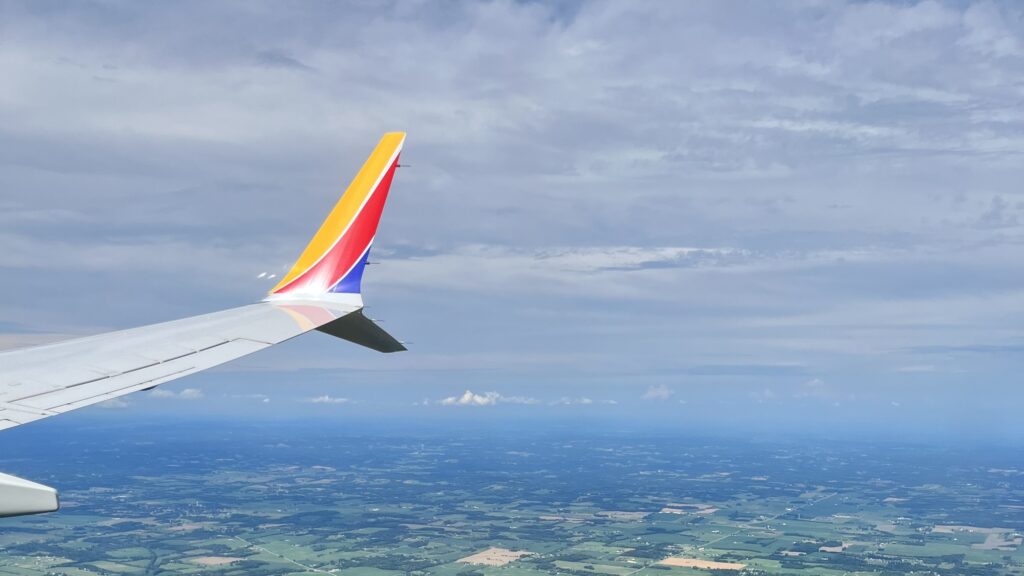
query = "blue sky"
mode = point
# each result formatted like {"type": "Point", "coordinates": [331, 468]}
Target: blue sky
{"type": "Point", "coordinates": [705, 211]}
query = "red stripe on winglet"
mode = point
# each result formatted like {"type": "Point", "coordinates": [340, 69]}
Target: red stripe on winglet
{"type": "Point", "coordinates": [347, 252]}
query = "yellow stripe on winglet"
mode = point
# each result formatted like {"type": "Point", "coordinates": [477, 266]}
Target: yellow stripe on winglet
{"type": "Point", "coordinates": [347, 207]}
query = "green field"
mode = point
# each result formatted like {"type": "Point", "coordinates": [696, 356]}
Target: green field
{"type": "Point", "coordinates": [398, 505]}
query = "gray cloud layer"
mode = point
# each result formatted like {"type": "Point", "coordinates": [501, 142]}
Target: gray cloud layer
{"type": "Point", "coordinates": [603, 195]}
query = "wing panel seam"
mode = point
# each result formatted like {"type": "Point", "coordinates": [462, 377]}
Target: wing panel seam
{"type": "Point", "coordinates": [129, 371]}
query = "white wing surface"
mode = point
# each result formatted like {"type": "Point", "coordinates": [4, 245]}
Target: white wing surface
{"type": "Point", "coordinates": [56, 378]}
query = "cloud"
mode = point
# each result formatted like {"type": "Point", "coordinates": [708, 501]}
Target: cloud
{"type": "Point", "coordinates": [988, 32]}
{"type": "Point", "coordinates": [833, 187]}
{"type": "Point", "coordinates": [999, 215]}
{"type": "Point", "coordinates": [262, 398]}
{"type": "Point", "coordinates": [113, 404]}
{"type": "Point", "coordinates": [518, 400]}
{"type": "Point", "coordinates": [763, 395]}
{"type": "Point", "coordinates": [278, 59]}
{"type": "Point", "coordinates": [819, 389]}
{"type": "Point", "coordinates": [557, 270]}
{"type": "Point", "coordinates": [659, 392]}
{"type": "Point", "coordinates": [469, 398]}
{"type": "Point", "coordinates": [567, 401]}
{"type": "Point", "coordinates": [325, 399]}
{"type": "Point", "coordinates": [186, 394]}
{"type": "Point", "coordinates": [581, 401]}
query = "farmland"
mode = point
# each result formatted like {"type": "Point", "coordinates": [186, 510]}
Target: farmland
{"type": "Point", "coordinates": [301, 499]}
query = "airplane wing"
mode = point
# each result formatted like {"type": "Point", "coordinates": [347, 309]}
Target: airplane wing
{"type": "Point", "coordinates": [322, 291]}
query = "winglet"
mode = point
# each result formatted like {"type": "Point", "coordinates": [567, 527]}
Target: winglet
{"type": "Point", "coordinates": [333, 261]}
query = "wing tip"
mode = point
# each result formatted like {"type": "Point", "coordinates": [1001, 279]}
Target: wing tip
{"type": "Point", "coordinates": [349, 226]}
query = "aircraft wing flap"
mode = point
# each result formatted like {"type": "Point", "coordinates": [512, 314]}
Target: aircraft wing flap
{"type": "Point", "coordinates": [83, 400]}
{"type": "Point", "coordinates": [11, 418]}
{"type": "Point", "coordinates": [60, 401]}
{"type": "Point", "coordinates": [58, 377]}
{"type": "Point", "coordinates": [53, 400]}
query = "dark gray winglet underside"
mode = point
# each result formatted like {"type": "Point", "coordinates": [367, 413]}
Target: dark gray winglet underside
{"type": "Point", "coordinates": [359, 329]}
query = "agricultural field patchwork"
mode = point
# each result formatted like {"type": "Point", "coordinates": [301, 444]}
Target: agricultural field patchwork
{"type": "Point", "coordinates": [307, 499]}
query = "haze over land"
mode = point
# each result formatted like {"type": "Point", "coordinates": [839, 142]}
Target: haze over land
{"type": "Point", "coordinates": [804, 214]}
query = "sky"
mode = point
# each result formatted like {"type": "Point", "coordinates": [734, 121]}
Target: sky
{"type": "Point", "coordinates": [800, 215]}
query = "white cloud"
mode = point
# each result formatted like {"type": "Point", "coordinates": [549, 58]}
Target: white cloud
{"type": "Point", "coordinates": [186, 394]}
{"type": "Point", "coordinates": [560, 270]}
{"type": "Point", "coordinates": [659, 392]}
{"type": "Point", "coordinates": [567, 401]}
{"type": "Point", "coordinates": [517, 400]}
{"type": "Point", "coordinates": [469, 398]}
{"type": "Point", "coordinates": [325, 399]}
{"type": "Point", "coordinates": [263, 398]}
{"type": "Point", "coordinates": [191, 394]}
